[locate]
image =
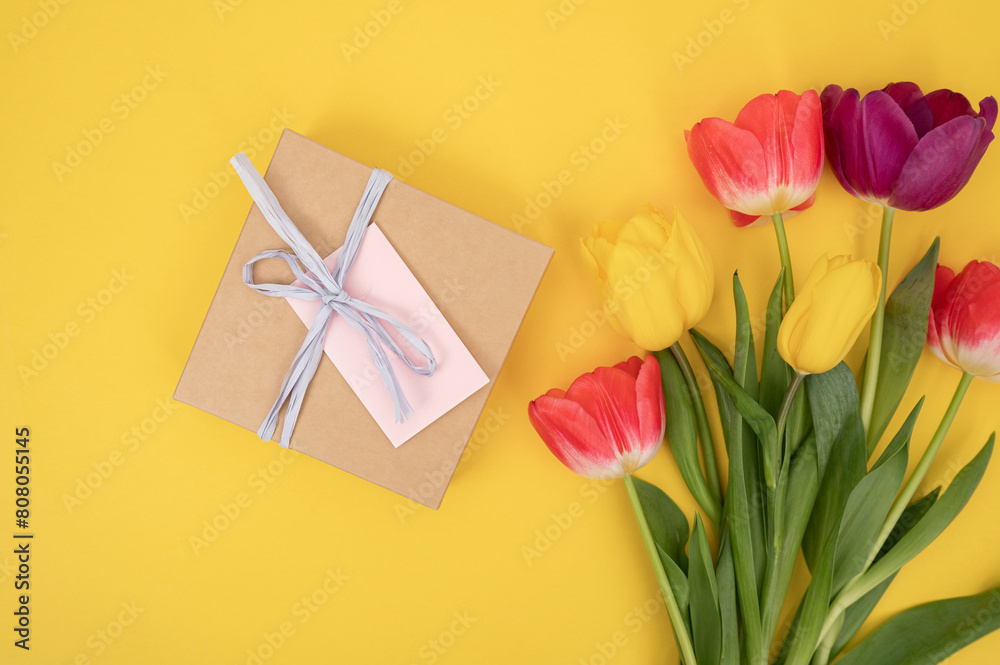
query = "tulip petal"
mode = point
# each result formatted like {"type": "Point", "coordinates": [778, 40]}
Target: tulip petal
{"type": "Point", "coordinates": [642, 296]}
{"type": "Point", "coordinates": [941, 164]}
{"type": "Point", "coordinates": [988, 112]}
{"type": "Point", "coordinates": [819, 270]}
{"type": "Point", "coordinates": [771, 118]}
{"type": "Point", "coordinates": [835, 127]}
{"type": "Point", "coordinates": [914, 104]}
{"type": "Point", "coordinates": [868, 141]}
{"type": "Point", "coordinates": [645, 229]}
{"type": "Point", "coordinates": [845, 301]}
{"type": "Point", "coordinates": [573, 437]}
{"type": "Point", "coordinates": [631, 366]}
{"type": "Point", "coordinates": [608, 230]}
{"type": "Point", "coordinates": [790, 130]}
{"type": "Point", "coordinates": [597, 248]}
{"type": "Point", "coordinates": [608, 395]}
{"type": "Point", "coordinates": [876, 138]}
{"type": "Point", "coordinates": [730, 161]}
{"type": "Point", "coordinates": [695, 272]}
{"type": "Point", "coordinates": [650, 407]}
{"type": "Point", "coordinates": [740, 220]}
{"type": "Point", "coordinates": [943, 278]}
{"type": "Point", "coordinates": [968, 318]}
{"type": "Point", "coordinates": [805, 204]}
{"type": "Point", "coordinates": [792, 331]}
{"type": "Point", "coordinates": [979, 351]}
{"type": "Point", "coordinates": [807, 150]}
{"type": "Point", "coordinates": [946, 105]}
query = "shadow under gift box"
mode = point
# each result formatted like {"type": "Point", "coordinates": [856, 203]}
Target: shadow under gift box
{"type": "Point", "coordinates": [496, 269]}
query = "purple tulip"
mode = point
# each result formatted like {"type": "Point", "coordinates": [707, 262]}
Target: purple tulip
{"type": "Point", "coordinates": [901, 148]}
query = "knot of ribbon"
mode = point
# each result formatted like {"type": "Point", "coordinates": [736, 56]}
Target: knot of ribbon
{"type": "Point", "coordinates": [320, 283]}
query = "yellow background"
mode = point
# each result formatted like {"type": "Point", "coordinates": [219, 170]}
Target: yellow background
{"type": "Point", "coordinates": [232, 70]}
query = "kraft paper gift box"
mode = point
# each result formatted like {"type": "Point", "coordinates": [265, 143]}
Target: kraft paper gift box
{"type": "Point", "coordinates": [480, 276]}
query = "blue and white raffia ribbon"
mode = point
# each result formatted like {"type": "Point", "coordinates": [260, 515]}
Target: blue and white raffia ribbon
{"type": "Point", "coordinates": [319, 283]}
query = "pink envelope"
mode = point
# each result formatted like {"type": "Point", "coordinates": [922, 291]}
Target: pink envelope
{"type": "Point", "coordinates": [380, 277]}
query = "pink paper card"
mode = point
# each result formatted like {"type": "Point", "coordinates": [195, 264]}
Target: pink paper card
{"type": "Point", "coordinates": [380, 277]}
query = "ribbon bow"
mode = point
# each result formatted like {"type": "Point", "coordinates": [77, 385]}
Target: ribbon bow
{"type": "Point", "coordinates": [319, 283]}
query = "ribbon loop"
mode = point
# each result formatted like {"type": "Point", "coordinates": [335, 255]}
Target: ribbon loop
{"type": "Point", "coordinates": [319, 283]}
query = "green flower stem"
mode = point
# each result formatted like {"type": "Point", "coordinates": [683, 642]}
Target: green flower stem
{"type": "Point", "coordinates": [822, 656]}
{"type": "Point", "coordinates": [680, 626]}
{"type": "Point", "coordinates": [910, 488]}
{"type": "Point", "coordinates": [878, 322]}
{"type": "Point", "coordinates": [777, 571]}
{"type": "Point", "coordinates": [786, 259]}
{"type": "Point", "coordinates": [854, 590]}
{"type": "Point", "coordinates": [704, 431]}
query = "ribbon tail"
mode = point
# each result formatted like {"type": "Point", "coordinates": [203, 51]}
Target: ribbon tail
{"type": "Point", "coordinates": [296, 380]}
{"type": "Point", "coordinates": [403, 410]}
{"type": "Point", "coordinates": [381, 361]}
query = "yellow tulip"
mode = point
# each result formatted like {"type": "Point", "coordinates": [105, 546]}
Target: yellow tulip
{"type": "Point", "coordinates": [829, 312]}
{"type": "Point", "coordinates": [656, 275]}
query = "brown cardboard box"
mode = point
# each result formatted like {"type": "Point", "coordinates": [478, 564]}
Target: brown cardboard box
{"type": "Point", "coordinates": [247, 341]}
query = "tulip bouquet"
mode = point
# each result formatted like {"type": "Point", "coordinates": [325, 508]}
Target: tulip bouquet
{"type": "Point", "coordinates": [799, 433]}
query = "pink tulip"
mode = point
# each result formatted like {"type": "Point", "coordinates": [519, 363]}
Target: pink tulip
{"type": "Point", "coordinates": [964, 326]}
{"type": "Point", "coordinates": [902, 148]}
{"type": "Point", "coordinates": [609, 423]}
{"type": "Point", "coordinates": [769, 161]}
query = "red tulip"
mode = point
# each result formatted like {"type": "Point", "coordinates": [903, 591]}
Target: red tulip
{"type": "Point", "coordinates": [609, 423]}
{"type": "Point", "coordinates": [964, 326]}
{"type": "Point", "coordinates": [769, 161]}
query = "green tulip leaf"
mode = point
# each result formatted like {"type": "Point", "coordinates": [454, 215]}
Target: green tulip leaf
{"type": "Point", "coordinates": [741, 443]}
{"type": "Point", "coordinates": [745, 356]}
{"type": "Point", "coordinates": [667, 522]}
{"type": "Point", "coordinates": [840, 454]}
{"type": "Point", "coordinates": [800, 497]}
{"type": "Point", "coordinates": [682, 433]}
{"type": "Point", "coordinates": [757, 451]}
{"type": "Point", "coordinates": [749, 549]}
{"type": "Point", "coordinates": [745, 374]}
{"type": "Point", "coordinates": [753, 413]}
{"type": "Point", "coordinates": [903, 338]}
{"type": "Point", "coordinates": [933, 523]}
{"type": "Point", "coordinates": [857, 613]}
{"type": "Point", "coordinates": [929, 633]}
{"type": "Point", "coordinates": [706, 620]}
{"type": "Point", "coordinates": [775, 374]}
{"type": "Point", "coordinates": [802, 643]}
{"type": "Point", "coordinates": [803, 486]}
{"type": "Point", "coordinates": [869, 504]}
{"type": "Point", "coordinates": [725, 574]}
{"type": "Point", "coordinates": [732, 422]}
{"type": "Point", "coordinates": [678, 583]}
{"type": "Point", "coordinates": [738, 516]}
